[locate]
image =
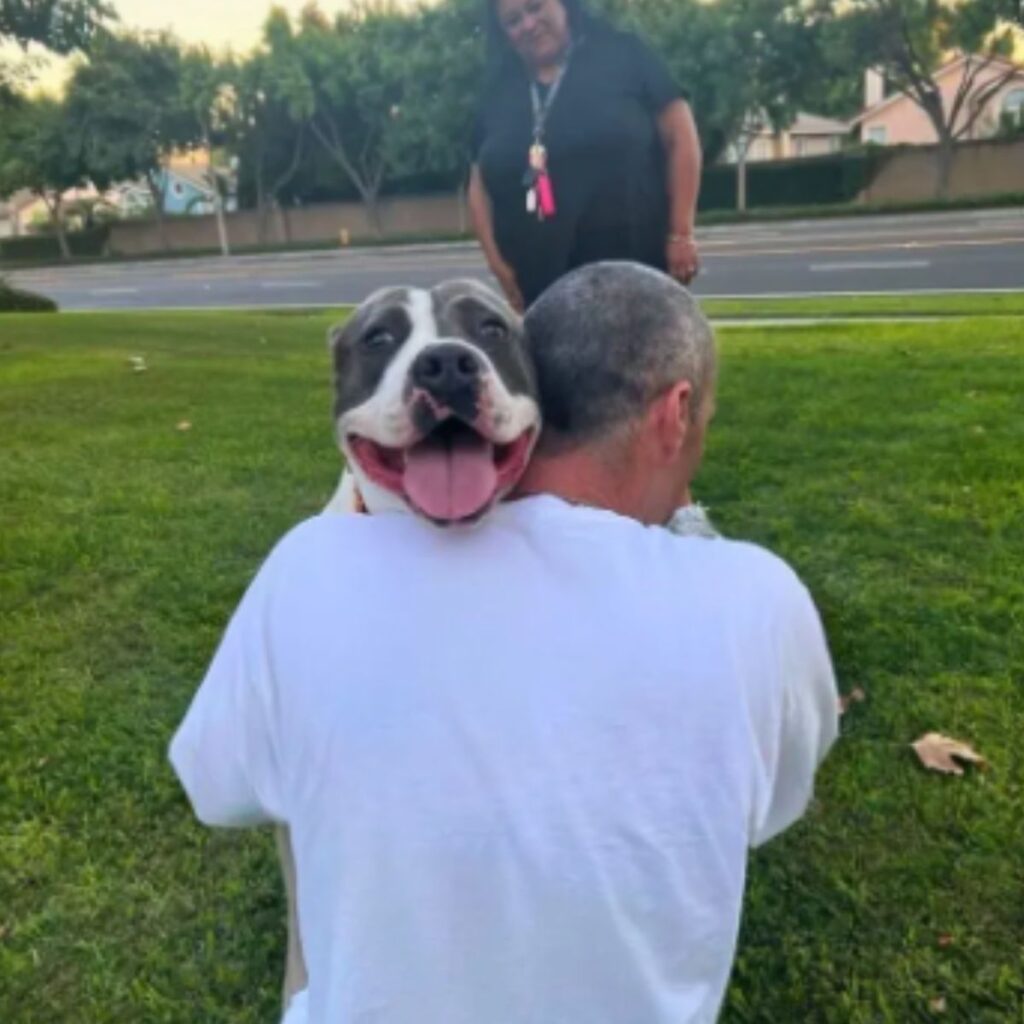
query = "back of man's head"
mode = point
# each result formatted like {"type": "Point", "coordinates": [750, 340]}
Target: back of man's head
{"type": "Point", "coordinates": [607, 340]}
{"type": "Point", "coordinates": [626, 367]}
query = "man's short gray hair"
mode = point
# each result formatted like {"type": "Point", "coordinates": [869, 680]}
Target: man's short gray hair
{"type": "Point", "coordinates": [606, 340]}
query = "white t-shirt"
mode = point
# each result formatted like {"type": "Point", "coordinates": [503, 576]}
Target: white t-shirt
{"type": "Point", "coordinates": [522, 764]}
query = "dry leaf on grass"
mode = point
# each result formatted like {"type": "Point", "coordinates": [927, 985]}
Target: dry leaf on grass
{"type": "Point", "coordinates": [937, 1005]}
{"type": "Point", "coordinates": [184, 425]}
{"type": "Point", "coordinates": [945, 940]}
{"type": "Point", "coordinates": [937, 752]}
{"type": "Point", "coordinates": [855, 696]}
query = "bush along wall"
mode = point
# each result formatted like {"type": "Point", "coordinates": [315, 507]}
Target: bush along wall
{"type": "Point", "coordinates": [13, 300]}
{"type": "Point", "coordinates": [808, 181]}
{"type": "Point", "coordinates": [45, 247]}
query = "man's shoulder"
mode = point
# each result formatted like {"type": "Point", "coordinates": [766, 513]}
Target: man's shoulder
{"type": "Point", "coordinates": [739, 566]}
{"type": "Point", "coordinates": [332, 532]}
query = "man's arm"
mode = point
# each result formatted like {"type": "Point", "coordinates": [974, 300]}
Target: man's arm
{"type": "Point", "coordinates": [795, 739]}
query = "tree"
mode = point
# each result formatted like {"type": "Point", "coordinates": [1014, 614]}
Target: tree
{"type": "Point", "coordinates": [271, 135]}
{"type": "Point", "coordinates": [39, 152]}
{"type": "Point", "coordinates": [128, 111]}
{"type": "Point", "coordinates": [739, 60]}
{"type": "Point", "coordinates": [59, 25]}
{"type": "Point", "coordinates": [208, 94]}
{"type": "Point", "coordinates": [910, 40]}
{"type": "Point", "coordinates": [441, 89]}
{"type": "Point", "coordinates": [353, 91]}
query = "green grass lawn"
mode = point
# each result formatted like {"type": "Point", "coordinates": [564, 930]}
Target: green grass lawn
{"type": "Point", "coordinates": [886, 462]}
{"type": "Point", "coordinates": [936, 304]}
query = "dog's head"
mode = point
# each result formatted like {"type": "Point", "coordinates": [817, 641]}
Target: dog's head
{"type": "Point", "coordinates": [435, 402]}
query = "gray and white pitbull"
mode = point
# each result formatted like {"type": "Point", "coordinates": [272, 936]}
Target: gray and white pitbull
{"type": "Point", "coordinates": [436, 412]}
{"type": "Point", "coordinates": [436, 407]}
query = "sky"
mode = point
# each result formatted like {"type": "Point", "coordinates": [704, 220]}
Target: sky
{"type": "Point", "coordinates": [217, 23]}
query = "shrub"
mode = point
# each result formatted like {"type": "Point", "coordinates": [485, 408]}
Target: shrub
{"type": "Point", "coordinates": [13, 300]}
{"type": "Point", "coordinates": [45, 247]}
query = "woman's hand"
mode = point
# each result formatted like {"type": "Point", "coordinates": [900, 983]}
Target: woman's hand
{"type": "Point", "coordinates": [509, 285]}
{"type": "Point", "coordinates": [681, 257]}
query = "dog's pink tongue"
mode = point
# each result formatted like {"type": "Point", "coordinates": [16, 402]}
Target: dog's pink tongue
{"type": "Point", "coordinates": [452, 480]}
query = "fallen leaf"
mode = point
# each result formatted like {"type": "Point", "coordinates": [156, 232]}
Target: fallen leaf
{"type": "Point", "coordinates": [945, 940]}
{"type": "Point", "coordinates": [855, 696]}
{"type": "Point", "coordinates": [138, 364]}
{"type": "Point", "coordinates": [184, 425]}
{"type": "Point", "coordinates": [937, 1005]}
{"type": "Point", "coordinates": [937, 752]}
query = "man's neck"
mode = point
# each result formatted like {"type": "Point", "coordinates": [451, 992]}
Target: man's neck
{"type": "Point", "coordinates": [583, 480]}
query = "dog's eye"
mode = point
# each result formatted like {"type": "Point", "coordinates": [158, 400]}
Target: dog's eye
{"type": "Point", "coordinates": [378, 337]}
{"type": "Point", "coordinates": [493, 330]}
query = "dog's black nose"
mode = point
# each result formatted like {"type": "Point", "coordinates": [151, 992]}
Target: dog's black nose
{"type": "Point", "coordinates": [446, 370]}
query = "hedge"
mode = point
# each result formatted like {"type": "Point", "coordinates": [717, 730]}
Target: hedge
{"type": "Point", "coordinates": [807, 181]}
{"type": "Point", "coordinates": [45, 247]}
{"type": "Point", "coordinates": [13, 300]}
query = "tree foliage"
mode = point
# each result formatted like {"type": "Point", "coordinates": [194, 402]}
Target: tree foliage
{"type": "Point", "coordinates": [39, 151]}
{"type": "Point", "coordinates": [908, 41]}
{"type": "Point", "coordinates": [58, 25]}
{"type": "Point", "coordinates": [129, 110]}
{"type": "Point", "coordinates": [358, 102]}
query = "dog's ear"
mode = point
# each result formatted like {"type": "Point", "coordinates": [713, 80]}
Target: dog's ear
{"type": "Point", "coordinates": [339, 333]}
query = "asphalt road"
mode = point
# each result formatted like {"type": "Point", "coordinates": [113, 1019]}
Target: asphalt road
{"type": "Point", "coordinates": [967, 250]}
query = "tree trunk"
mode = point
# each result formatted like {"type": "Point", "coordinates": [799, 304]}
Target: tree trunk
{"type": "Point", "coordinates": [218, 199]}
{"type": "Point", "coordinates": [371, 200]}
{"type": "Point", "coordinates": [57, 216]}
{"type": "Point", "coordinates": [218, 210]}
{"type": "Point", "coordinates": [460, 199]}
{"type": "Point", "coordinates": [262, 208]}
{"type": "Point", "coordinates": [158, 208]}
{"type": "Point", "coordinates": [284, 220]}
{"type": "Point", "coordinates": [946, 154]}
{"type": "Point", "coordinates": [741, 178]}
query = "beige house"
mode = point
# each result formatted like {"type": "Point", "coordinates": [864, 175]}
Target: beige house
{"type": "Point", "coordinates": [808, 135]}
{"type": "Point", "coordinates": [16, 213]}
{"type": "Point", "coordinates": [996, 93]}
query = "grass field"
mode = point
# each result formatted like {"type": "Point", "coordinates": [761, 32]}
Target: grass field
{"type": "Point", "coordinates": [946, 304]}
{"type": "Point", "coordinates": [886, 462]}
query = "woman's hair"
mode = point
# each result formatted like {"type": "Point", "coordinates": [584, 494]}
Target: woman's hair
{"type": "Point", "coordinates": [501, 56]}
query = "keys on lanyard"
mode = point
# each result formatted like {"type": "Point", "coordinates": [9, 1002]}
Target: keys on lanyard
{"type": "Point", "coordinates": [540, 194]}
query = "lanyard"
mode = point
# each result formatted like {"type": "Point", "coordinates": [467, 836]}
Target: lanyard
{"type": "Point", "coordinates": [541, 108]}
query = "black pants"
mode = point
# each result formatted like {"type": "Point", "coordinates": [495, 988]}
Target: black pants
{"type": "Point", "coordinates": [536, 272]}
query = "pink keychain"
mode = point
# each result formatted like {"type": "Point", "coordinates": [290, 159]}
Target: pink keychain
{"type": "Point", "coordinates": [545, 195]}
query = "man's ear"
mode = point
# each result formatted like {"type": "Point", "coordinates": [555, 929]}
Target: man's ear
{"type": "Point", "coordinates": [671, 418]}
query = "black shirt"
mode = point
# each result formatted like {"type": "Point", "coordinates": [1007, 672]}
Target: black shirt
{"type": "Point", "coordinates": [605, 158]}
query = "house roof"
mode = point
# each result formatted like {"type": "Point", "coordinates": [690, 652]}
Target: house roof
{"type": "Point", "coordinates": [948, 68]}
{"type": "Point", "coordinates": [19, 200]}
{"type": "Point", "coordinates": [815, 124]}
{"type": "Point", "coordinates": [195, 178]}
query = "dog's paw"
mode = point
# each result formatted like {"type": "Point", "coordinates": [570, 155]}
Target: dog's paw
{"type": "Point", "coordinates": [692, 521]}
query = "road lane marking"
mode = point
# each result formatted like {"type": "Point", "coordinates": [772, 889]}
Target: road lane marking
{"type": "Point", "coordinates": [290, 284]}
{"type": "Point", "coordinates": [113, 291]}
{"type": "Point", "coordinates": [823, 268]}
{"type": "Point", "coordinates": [945, 244]}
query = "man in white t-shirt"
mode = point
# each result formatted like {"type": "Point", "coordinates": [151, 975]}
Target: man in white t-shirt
{"type": "Point", "coordinates": [522, 764]}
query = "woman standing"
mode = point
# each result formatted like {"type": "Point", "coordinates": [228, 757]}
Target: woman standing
{"type": "Point", "coordinates": [585, 150]}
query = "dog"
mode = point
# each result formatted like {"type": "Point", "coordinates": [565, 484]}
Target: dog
{"type": "Point", "coordinates": [436, 408]}
{"type": "Point", "coordinates": [436, 413]}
